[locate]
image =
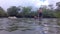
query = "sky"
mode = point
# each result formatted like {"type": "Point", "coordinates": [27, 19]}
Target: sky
{"type": "Point", "coordinates": [34, 3]}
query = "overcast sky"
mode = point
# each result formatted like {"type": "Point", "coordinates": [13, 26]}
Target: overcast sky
{"type": "Point", "coordinates": [35, 3]}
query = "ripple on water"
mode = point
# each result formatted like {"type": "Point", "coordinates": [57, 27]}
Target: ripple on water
{"type": "Point", "coordinates": [28, 25]}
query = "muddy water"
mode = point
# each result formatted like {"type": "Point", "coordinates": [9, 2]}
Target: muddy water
{"type": "Point", "coordinates": [29, 26]}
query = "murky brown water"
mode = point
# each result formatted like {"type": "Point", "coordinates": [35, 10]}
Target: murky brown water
{"type": "Point", "coordinates": [29, 26]}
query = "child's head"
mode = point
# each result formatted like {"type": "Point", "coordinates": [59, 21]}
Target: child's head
{"type": "Point", "coordinates": [40, 8]}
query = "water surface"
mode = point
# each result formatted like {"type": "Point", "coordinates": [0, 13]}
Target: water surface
{"type": "Point", "coordinates": [29, 26]}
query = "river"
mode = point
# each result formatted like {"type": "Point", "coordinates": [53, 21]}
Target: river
{"type": "Point", "coordinates": [29, 26]}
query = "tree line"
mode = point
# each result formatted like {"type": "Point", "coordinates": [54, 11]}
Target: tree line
{"type": "Point", "coordinates": [27, 12]}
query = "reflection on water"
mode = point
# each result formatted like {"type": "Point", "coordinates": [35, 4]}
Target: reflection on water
{"type": "Point", "coordinates": [29, 26]}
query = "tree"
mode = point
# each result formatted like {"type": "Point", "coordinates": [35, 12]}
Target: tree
{"type": "Point", "coordinates": [13, 11]}
{"type": "Point", "coordinates": [26, 11]}
{"type": "Point", "coordinates": [48, 13]}
{"type": "Point", "coordinates": [57, 11]}
{"type": "Point", "coordinates": [2, 12]}
{"type": "Point", "coordinates": [50, 6]}
{"type": "Point", "coordinates": [58, 4]}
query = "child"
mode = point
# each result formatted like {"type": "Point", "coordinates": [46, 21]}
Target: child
{"type": "Point", "coordinates": [35, 17]}
{"type": "Point", "coordinates": [40, 13]}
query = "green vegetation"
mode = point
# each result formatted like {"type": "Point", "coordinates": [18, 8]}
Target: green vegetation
{"type": "Point", "coordinates": [13, 11]}
{"type": "Point", "coordinates": [2, 12]}
{"type": "Point", "coordinates": [48, 12]}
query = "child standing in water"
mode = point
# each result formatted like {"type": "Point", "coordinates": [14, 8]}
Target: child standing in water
{"type": "Point", "coordinates": [40, 13]}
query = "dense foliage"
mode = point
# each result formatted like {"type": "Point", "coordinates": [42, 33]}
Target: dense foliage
{"type": "Point", "coordinates": [28, 12]}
